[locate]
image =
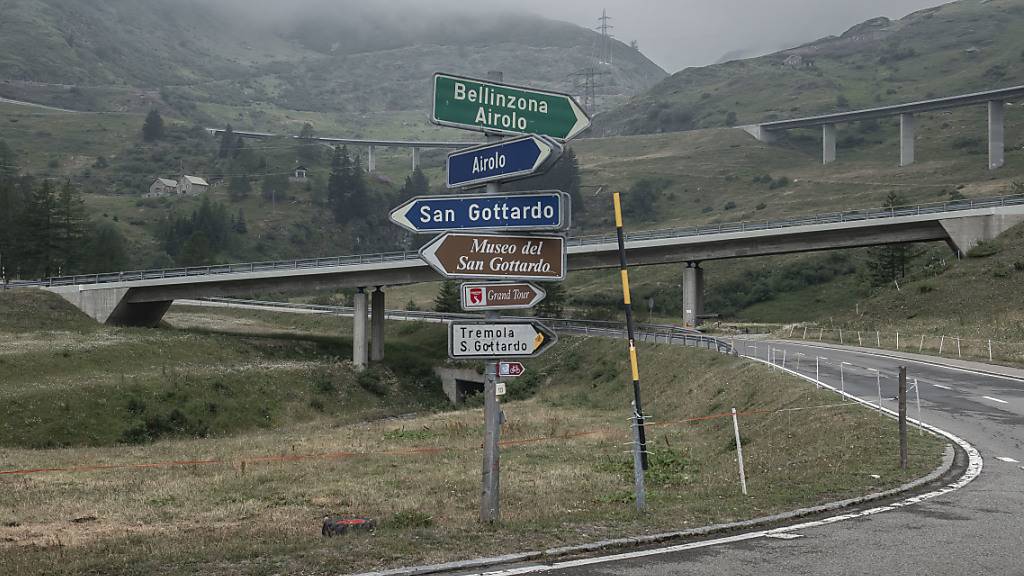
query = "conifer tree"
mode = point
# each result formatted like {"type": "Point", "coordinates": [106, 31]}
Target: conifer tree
{"type": "Point", "coordinates": [227, 142]}
{"type": "Point", "coordinates": [448, 299]}
{"type": "Point", "coordinates": [38, 232]}
{"type": "Point", "coordinates": [69, 227]}
{"type": "Point", "coordinates": [153, 128]}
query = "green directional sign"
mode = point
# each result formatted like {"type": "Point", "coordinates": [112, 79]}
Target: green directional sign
{"type": "Point", "coordinates": [489, 106]}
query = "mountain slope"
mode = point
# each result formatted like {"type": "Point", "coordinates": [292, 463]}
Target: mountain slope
{"type": "Point", "coordinates": [122, 55]}
{"type": "Point", "coordinates": [955, 48]}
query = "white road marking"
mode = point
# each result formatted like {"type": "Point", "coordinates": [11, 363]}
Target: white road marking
{"type": "Point", "coordinates": [783, 535]}
{"type": "Point", "coordinates": [905, 359]}
{"type": "Point", "coordinates": [995, 399]}
{"type": "Point", "coordinates": [1007, 459]}
{"type": "Point", "coordinates": [974, 467]}
{"type": "Point", "coordinates": [941, 386]}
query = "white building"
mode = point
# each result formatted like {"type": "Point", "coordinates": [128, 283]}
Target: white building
{"type": "Point", "coordinates": [192, 186]}
{"type": "Point", "coordinates": [162, 187]}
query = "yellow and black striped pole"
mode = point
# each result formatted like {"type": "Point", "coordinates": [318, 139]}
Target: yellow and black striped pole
{"type": "Point", "coordinates": [624, 272]}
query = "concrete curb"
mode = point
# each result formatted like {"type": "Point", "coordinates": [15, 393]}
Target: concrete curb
{"type": "Point", "coordinates": [943, 469]}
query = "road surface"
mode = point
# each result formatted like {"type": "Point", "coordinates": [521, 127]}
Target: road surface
{"type": "Point", "coordinates": [978, 529]}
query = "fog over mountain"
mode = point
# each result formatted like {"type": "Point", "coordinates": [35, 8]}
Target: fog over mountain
{"type": "Point", "coordinates": [674, 33]}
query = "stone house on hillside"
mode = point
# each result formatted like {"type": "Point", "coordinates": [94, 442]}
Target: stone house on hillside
{"type": "Point", "coordinates": [161, 187]}
{"type": "Point", "coordinates": [192, 186]}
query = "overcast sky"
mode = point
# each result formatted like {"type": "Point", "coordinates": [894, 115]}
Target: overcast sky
{"type": "Point", "coordinates": [680, 33]}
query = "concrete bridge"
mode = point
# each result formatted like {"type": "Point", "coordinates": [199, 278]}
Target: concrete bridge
{"type": "Point", "coordinates": [141, 298]}
{"type": "Point", "coordinates": [995, 100]}
{"type": "Point", "coordinates": [370, 144]}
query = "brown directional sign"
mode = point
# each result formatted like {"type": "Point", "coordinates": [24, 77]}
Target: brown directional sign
{"type": "Point", "coordinates": [500, 296]}
{"type": "Point", "coordinates": [496, 256]}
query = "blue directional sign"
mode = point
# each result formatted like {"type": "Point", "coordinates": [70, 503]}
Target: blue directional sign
{"type": "Point", "coordinates": [547, 210]}
{"type": "Point", "coordinates": [505, 160]}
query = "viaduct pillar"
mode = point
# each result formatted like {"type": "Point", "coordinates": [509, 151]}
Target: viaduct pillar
{"type": "Point", "coordinates": [693, 294]}
{"type": "Point", "coordinates": [377, 325]}
{"type": "Point", "coordinates": [828, 143]}
{"type": "Point", "coordinates": [996, 148]}
{"type": "Point", "coordinates": [906, 139]}
{"type": "Point", "coordinates": [415, 159]}
{"type": "Point", "coordinates": [359, 332]}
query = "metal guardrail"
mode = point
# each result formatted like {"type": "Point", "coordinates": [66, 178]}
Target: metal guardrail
{"type": "Point", "coordinates": [652, 333]}
{"type": "Point", "coordinates": [690, 231]}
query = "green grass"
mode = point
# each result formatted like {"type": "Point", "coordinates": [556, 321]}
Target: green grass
{"type": "Point", "coordinates": [69, 382]}
{"type": "Point", "coordinates": [256, 503]}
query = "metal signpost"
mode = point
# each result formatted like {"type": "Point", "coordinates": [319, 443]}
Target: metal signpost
{"type": "Point", "coordinates": [501, 296]}
{"type": "Point", "coordinates": [540, 120]}
{"type": "Point", "coordinates": [493, 106]}
{"type": "Point", "coordinates": [503, 161]}
{"type": "Point", "coordinates": [498, 257]}
{"type": "Point", "coordinates": [546, 210]}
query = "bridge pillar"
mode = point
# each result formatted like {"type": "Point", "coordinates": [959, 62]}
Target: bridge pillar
{"type": "Point", "coordinates": [371, 160]}
{"type": "Point", "coordinates": [377, 325]}
{"type": "Point", "coordinates": [415, 159]}
{"type": "Point", "coordinates": [359, 333]}
{"type": "Point", "coordinates": [828, 143]}
{"type": "Point", "coordinates": [996, 147]}
{"type": "Point", "coordinates": [907, 125]}
{"type": "Point", "coordinates": [693, 294]}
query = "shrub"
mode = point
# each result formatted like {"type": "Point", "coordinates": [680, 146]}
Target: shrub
{"type": "Point", "coordinates": [410, 519]}
{"type": "Point", "coordinates": [761, 206]}
{"type": "Point", "coordinates": [730, 205]}
{"type": "Point", "coordinates": [984, 250]}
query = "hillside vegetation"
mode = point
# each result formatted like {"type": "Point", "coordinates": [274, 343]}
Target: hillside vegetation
{"type": "Point", "coordinates": [959, 47]}
{"type": "Point", "coordinates": [230, 61]}
{"type": "Point", "coordinates": [181, 446]}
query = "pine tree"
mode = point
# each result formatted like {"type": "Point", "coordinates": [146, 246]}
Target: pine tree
{"type": "Point", "coordinates": [106, 250]}
{"type": "Point", "coordinates": [69, 227]}
{"type": "Point", "coordinates": [240, 225]}
{"type": "Point", "coordinates": [553, 304]}
{"type": "Point", "coordinates": [358, 191]}
{"type": "Point", "coordinates": [227, 142]}
{"type": "Point", "coordinates": [38, 232]}
{"type": "Point", "coordinates": [888, 264]}
{"type": "Point", "coordinates": [448, 300]}
{"type": "Point", "coordinates": [153, 128]}
{"type": "Point", "coordinates": [416, 184]}
{"type": "Point", "coordinates": [239, 188]}
{"type": "Point", "coordinates": [338, 185]}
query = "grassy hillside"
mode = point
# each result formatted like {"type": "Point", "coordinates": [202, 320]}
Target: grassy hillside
{"type": "Point", "coordinates": [959, 47]}
{"type": "Point", "coordinates": [214, 61]}
{"type": "Point", "coordinates": [977, 297]}
{"type": "Point", "coordinates": [276, 431]}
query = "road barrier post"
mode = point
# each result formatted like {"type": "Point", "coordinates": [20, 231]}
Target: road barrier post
{"type": "Point", "coordinates": [878, 339]}
{"type": "Point", "coordinates": [739, 451]}
{"type": "Point", "coordinates": [958, 347]}
{"type": "Point", "coordinates": [841, 336]}
{"type": "Point", "coordinates": [903, 417]}
{"type": "Point", "coordinates": [917, 398]}
{"type": "Point", "coordinates": [942, 342]}
{"type": "Point", "coordinates": [990, 350]}
{"type": "Point", "coordinates": [920, 347]}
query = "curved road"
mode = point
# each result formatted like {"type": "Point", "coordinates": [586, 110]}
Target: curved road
{"type": "Point", "coordinates": [978, 529]}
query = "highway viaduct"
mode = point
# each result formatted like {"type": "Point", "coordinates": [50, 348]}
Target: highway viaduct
{"type": "Point", "coordinates": [370, 144]}
{"type": "Point", "coordinates": [995, 100]}
{"type": "Point", "coordinates": [140, 298]}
